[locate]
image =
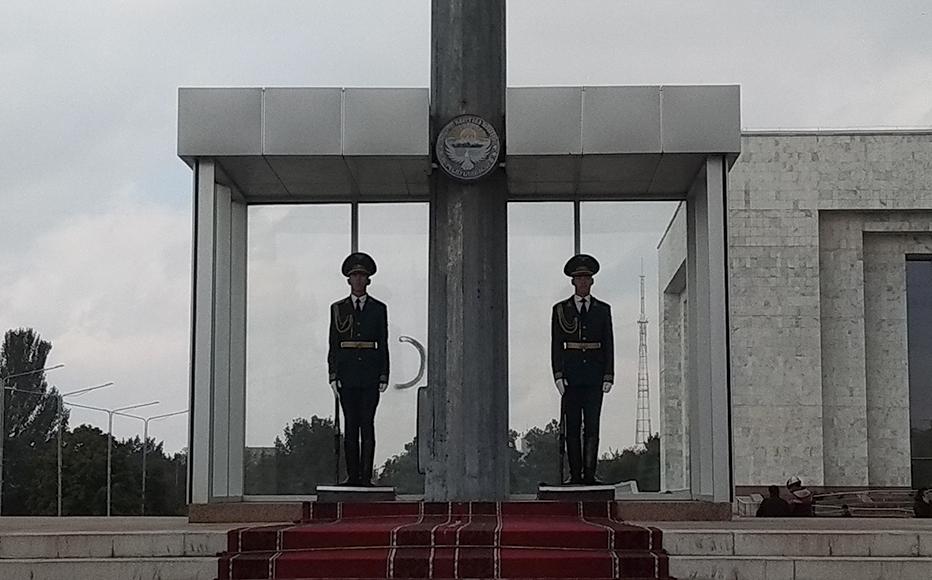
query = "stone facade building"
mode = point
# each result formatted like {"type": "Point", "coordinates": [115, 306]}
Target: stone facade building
{"type": "Point", "coordinates": [819, 228]}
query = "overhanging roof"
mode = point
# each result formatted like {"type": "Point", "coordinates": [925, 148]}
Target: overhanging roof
{"type": "Point", "coordinates": [328, 144]}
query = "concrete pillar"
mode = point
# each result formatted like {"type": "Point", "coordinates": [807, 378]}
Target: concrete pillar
{"type": "Point", "coordinates": [218, 371]}
{"type": "Point", "coordinates": [707, 303]}
{"type": "Point", "coordinates": [468, 318]}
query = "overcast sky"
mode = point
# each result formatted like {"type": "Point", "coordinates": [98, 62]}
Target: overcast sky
{"type": "Point", "coordinates": [95, 225]}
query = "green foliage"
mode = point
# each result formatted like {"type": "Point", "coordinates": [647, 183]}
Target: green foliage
{"type": "Point", "coordinates": [401, 471]}
{"type": "Point", "coordinates": [641, 465]}
{"type": "Point", "coordinates": [540, 462]}
{"type": "Point", "coordinates": [302, 459]}
{"type": "Point", "coordinates": [30, 485]}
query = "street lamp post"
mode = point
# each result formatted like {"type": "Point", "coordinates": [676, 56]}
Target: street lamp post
{"type": "Point", "coordinates": [3, 416]}
{"type": "Point", "coordinates": [145, 446]}
{"type": "Point", "coordinates": [110, 413]}
{"type": "Point", "coordinates": [60, 416]}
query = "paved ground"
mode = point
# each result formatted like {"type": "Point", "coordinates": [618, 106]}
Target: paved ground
{"type": "Point", "coordinates": [10, 525]}
{"type": "Point", "coordinates": [811, 524]}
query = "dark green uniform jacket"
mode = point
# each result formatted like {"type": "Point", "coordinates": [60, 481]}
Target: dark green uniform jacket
{"type": "Point", "coordinates": [358, 355]}
{"type": "Point", "coordinates": [582, 347]}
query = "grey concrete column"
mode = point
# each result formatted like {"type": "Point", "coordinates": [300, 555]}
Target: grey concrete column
{"type": "Point", "coordinates": [468, 319]}
{"type": "Point", "coordinates": [218, 373]}
{"type": "Point", "coordinates": [708, 373]}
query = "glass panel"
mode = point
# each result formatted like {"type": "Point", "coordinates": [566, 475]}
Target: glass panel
{"type": "Point", "coordinates": [293, 268]}
{"type": "Point", "coordinates": [919, 337]}
{"type": "Point", "coordinates": [540, 240]}
{"type": "Point", "coordinates": [624, 238]}
{"type": "Point", "coordinates": [396, 236]}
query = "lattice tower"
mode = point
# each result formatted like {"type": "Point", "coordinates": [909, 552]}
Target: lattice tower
{"type": "Point", "coordinates": [643, 414]}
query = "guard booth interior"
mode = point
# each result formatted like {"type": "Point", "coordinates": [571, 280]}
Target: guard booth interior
{"type": "Point", "coordinates": [251, 146]}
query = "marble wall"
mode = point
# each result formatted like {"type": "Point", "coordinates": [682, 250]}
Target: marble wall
{"type": "Point", "coordinates": [818, 228]}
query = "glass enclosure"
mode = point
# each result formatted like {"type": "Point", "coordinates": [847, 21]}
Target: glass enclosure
{"type": "Point", "coordinates": [540, 240]}
{"type": "Point", "coordinates": [294, 258]}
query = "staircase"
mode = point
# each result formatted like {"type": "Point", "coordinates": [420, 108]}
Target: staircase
{"type": "Point", "coordinates": [802, 549]}
{"type": "Point", "coordinates": [109, 554]}
{"type": "Point", "coordinates": [511, 540]}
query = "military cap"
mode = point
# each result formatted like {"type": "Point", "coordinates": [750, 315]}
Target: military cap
{"type": "Point", "coordinates": [358, 262]}
{"type": "Point", "coordinates": [581, 265]}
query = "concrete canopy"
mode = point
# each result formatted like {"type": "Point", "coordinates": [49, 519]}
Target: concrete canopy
{"type": "Point", "coordinates": [317, 145]}
{"type": "Point", "coordinates": [301, 145]}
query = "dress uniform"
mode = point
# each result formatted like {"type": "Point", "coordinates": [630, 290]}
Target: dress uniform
{"type": "Point", "coordinates": [582, 358]}
{"type": "Point", "coordinates": [358, 364]}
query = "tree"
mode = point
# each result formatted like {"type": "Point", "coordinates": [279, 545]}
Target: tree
{"type": "Point", "coordinates": [30, 419]}
{"type": "Point", "coordinates": [540, 461]}
{"type": "Point", "coordinates": [302, 459]}
{"type": "Point", "coordinates": [641, 465]}
{"type": "Point", "coordinates": [401, 471]}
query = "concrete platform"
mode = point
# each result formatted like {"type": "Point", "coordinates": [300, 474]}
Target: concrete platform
{"type": "Point", "coordinates": [352, 493]}
{"type": "Point", "coordinates": [630, 507]}
{"type": "Point", "coordinates": [576, 492]}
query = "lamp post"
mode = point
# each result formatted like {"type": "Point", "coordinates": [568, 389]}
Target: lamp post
{"type": "Point", "coordinates": [3, 416]}
{"type": "Point", "coordinates": [145, 446]}
{"type": "Point", "coordinates": [110, 413]}
{"type": "Point", "coordinates": [59, 402]}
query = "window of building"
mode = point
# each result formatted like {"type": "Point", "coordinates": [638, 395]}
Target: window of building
{"type": "Point", "coordinates": [919, 329]}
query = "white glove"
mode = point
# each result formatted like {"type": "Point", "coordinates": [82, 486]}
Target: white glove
{"type": "Point", "coordinates": [606, 387]}
{"type": "Point", "coordinates": [382, 387]}
{"type": "Point", "coordinates": [561, 386]}
{"type": "Point", "coordinates": [335, 387]}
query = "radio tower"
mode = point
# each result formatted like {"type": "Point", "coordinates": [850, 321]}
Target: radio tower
{"type": "Point", "coordinates": [643, 416]}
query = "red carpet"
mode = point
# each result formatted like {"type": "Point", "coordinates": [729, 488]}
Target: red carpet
{"type": "Point", "coordinates": [514, 540]}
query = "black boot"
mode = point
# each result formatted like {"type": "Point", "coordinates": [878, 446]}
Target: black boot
{"type": "Point", "coordinates": [351, 454]}
{"type": "Point", "coordinates": [367, 458]}
{"type": "Point", "coordinates": [591, 461]}
{"type": "Point", "coordinates": [574, 459]}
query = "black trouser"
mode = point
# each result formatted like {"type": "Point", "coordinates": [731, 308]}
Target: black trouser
{"type": "Point", "coordinates": [359, 432]}
{"type": "Point", "coordinates": [582, 406]}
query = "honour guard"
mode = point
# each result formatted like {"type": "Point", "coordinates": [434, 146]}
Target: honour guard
{"type": "Point", "coordinates": [358, 365]}
{"type": "Point", "coordinates": [582, 358]}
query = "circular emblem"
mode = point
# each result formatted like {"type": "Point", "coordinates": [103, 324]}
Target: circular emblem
{"type": "Point", "coordinates": [468, 148]}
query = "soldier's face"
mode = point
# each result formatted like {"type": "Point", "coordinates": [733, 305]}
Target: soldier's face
{"type": "Point", "coordinates": [582, 284]}
{"type": "Point", "coordinates": [358, 282]}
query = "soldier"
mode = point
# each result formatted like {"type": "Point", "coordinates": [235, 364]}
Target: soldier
{"type": "Point", "coordinates": [358, 365]}
{"type": "Point", "coordinates": [582, 357]}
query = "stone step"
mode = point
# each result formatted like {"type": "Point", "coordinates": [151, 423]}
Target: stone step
{"type": "Point", "coordinates": [799, 568]}
{"type": "Point", "coordinates": [77, 545]}
{"type": "Point", "coordinates": [190, 568]}
{"type": "Point", "coordinates": [425, 562]}
{"type": "Point", "coordinates": [814, 543]}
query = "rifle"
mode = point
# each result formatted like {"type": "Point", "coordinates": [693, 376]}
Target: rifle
{"type": "Point", "coordinates": [336, 437]}
{"type": "Point", "coordinates": [562, 439]}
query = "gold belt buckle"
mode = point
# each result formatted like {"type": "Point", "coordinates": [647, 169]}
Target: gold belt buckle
{"type": "Point", "coordinates": [359, 344]}
{"type": "Point", "coordinates": [583, 346]}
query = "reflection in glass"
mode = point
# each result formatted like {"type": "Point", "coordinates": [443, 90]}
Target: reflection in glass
{"type": "Point", "coordinates": [540, 240]}
{"type": "Point", "coordinates": [622, 236]}
{"type": "Point", "coordinates": [293, 273]}
{"type": "Point", "coordinates": [395, 235]}
{"type": "Point", "coordinates": [919, 337]}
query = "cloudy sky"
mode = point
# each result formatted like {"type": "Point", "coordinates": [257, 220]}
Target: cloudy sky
{"type": "Point", "coordinates": [95, 208]}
